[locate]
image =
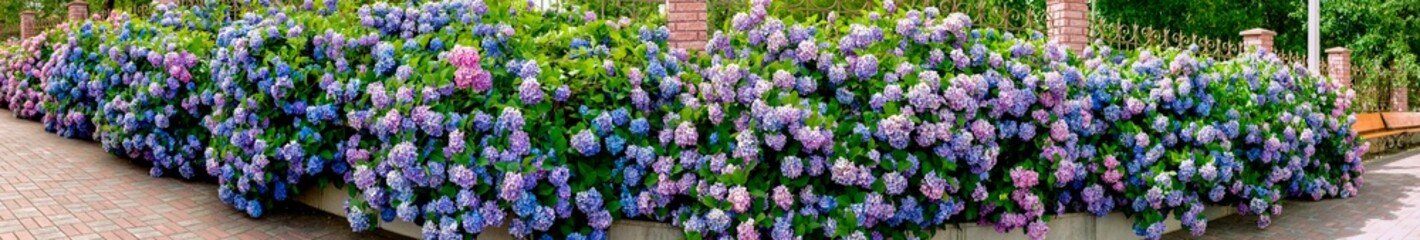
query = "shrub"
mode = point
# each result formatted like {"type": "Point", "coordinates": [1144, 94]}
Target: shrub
{"type": "Point", "coordinates": [511, 113]}
{"type": "Point", "coordinates": [271, 72]}
{"type": "Point", "coordinates": [25, 74]}
{"type": "Point", "coordinates": [75, 86]}
{"type": "Point", "coordinates": [158, 93]}
{"type": "Point", "coordinates": [462, 114]}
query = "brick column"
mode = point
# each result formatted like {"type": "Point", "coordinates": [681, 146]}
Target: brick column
{"type": "Point", "coordinates": [687, 21]}
{"type": "Point", "coordinates": [78, 10]}
{"type": "Point", "coordinates": [1068, 23]}
{"type": "Point", "coordinates": [1400, 99]}
{"type": "Point", "coordinates": [1262, 38]}
{"type": "Point", "coordinates": [27, 24]}
{"type": "Point", "coordinates": [1338, 61]}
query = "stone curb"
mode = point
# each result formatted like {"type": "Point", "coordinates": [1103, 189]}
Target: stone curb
{"type": "Point", "coordinates": [1067, 226]}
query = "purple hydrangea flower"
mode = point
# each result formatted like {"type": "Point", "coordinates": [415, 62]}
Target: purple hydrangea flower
{"type": "Point", "coordinates": [530, 91]}
{"type": "Point", "coordinates": [739, 199]}
{"type": "Point", "coordinates": [1023, 178]}
{"type": "Point", "coordinates": [586, 143]}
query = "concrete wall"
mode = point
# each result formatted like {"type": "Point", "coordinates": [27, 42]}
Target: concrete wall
{"type": "Point", "coordinates": [1068, 226]}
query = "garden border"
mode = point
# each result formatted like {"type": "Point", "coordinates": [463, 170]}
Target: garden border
{"type": "Point", "coordinates": [331, 199]}
{"type": "Point", "coordinates": [1073, 225]}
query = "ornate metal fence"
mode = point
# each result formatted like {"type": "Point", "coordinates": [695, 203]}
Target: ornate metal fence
{"type": "Point", "coordinates": [1372, 95]}
{"type": "Point", "coordinates": [46, 24]}
{"type": "Point", "coordinates": [1376, 85]}
{"type": "Point", "coordinates": [11, 30]}
{"type": "Point", "coordinates": [234, 7]}
{"type": "Point", "coordinates": [619, 8]}
{"type": "Point", "coordinates": [1130, 36]}
{"type": "Point", "coordinates": [42, 24]}
{"type": "Point", "coordinates": [983, 13]}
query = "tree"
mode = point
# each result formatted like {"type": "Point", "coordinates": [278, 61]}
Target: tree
{"type": "Point", "coordinates": [1381, 36]}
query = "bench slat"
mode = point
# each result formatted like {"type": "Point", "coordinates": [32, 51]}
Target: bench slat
{"type": "Point", "coordinates": [1380, 134]}
{"type": "Point", "coordinates": [1401, 120]}
{"type": "Point", "coordinates": [1368, 122]}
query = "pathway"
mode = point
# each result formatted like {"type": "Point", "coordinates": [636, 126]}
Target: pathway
{"type": "Point", "coordinates": [1388, 208]}
{"type": "Point", "coordinates": [55, 188]}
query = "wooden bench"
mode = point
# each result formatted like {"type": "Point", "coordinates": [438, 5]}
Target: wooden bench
{"type": "Point", "coordinates": [1370, 125]}
{"type": "Point", "coordinates": [1379, 125]}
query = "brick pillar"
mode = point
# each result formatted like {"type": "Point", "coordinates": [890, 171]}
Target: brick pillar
{"type": "Point", "coordinates": [78, 10]}
{"type": "Point", "coordinates": [1400, 99]}
{"type": "Point", "coordinates": [1338, 61]}
{"type": "Point", "coordinates": [687, 21]}
{"type": "Point", "coordinates": [27, 24]}
{"type": "Point", "coordinates": [1068, 23]}
{"type": "Point", "coordinates": [1261, 38]}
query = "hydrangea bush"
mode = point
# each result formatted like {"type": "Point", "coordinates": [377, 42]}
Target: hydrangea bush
{"type": "Point", "coordinates": [157, 95]}
{"type": "Point", "coordinates": [74, 88]}
{"type": "Point", "coordinates": [8, 50]}
{"type": "Point", "coordinates": [465, 115]}
{"type": "Point", "coordinates": [274, 123]}
{"type": "Point", "coordinates": [25, 72]}
{"type": "Point", "coordinates": [470, 132]}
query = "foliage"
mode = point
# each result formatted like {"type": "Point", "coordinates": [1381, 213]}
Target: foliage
{"type": "Point", "coordinates": [270, 79]}
{"type": "Point", "coordinates": [10, 10]}
{"type": "Point", "coordinates": [1379, 36]}
{"type": "Point", "coordinates": [156, 93]}
{"type": "Point", "coordinates": [71, 94]}
{"type": "Point", "coordinates": [25, 73]}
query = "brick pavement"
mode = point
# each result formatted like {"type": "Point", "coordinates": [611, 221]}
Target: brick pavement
{"type": "Point", "coordinates": [1388, 208]}
{"type": "Point", "coordinates": [55, 188]}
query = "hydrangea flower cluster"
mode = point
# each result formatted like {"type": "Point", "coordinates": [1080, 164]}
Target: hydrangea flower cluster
{"type": "Point", "coordinates": [156, 96]}
{"type": "Point", "coordinates": [277, 82]}
{"type": "Point", "coordinates": [72, 91]}
{"type": "Point", "coordinates": [466, 115]}
{"type": "Point", "coordinates": [25, 72]}
{"type": "Point", "coordinates": [1004, 130]}
{"type": "Point", "coordinates": [466, 148]}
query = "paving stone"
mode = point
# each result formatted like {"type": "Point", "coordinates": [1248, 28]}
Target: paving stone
{"type": "Point", "coordinates": [53, 187]}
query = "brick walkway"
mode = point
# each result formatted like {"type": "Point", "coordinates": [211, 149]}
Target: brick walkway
{"type": "Point", "coordinates": [1388, 208]}
{"type": "Point", "coordinates": [54, 188]}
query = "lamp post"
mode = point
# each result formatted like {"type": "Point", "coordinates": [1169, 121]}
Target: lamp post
{"type": "Point", "coordinates": [1314, 36]}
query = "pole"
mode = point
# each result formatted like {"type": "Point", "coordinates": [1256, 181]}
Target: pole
{"type": "Point", "coordinates": [1314, 36]}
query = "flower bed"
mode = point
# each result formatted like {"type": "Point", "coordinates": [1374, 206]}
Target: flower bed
{"type": "Point", "coordinates": [24, 74]}
{"type": "Point", "coordinates": [276, 101]}
{"type": "Point", "coordinates": [463, 114]}
{"type": "Point", "coordinates": [72, 89]}
{"type": "Point", "coordinates": [158, 96]}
